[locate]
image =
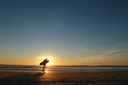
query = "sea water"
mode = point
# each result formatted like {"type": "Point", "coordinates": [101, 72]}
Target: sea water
{"type": "Point", "coordinates": [63, 68]}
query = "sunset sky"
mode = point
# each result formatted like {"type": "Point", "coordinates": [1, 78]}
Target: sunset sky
{"type": "Point", "coordinates": [68, 32]}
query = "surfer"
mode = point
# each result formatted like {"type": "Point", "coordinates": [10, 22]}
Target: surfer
{"type": "Point", "coordinates": [44, 64]}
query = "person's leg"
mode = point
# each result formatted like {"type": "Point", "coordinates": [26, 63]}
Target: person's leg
{"type": "Point", "coordinates": [43, 68]}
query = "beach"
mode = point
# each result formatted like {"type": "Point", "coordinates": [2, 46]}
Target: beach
{"type": "Point", "coordinates": [63, 78]}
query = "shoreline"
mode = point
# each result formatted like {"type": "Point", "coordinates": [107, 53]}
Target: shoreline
{"type": "Point", "coordinates": [59, 71]}
{"type": "Point", "coordinates": [83, 78]}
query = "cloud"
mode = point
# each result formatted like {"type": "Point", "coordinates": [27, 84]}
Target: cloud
{"type": "Point", "coordinates": [122, 44]}
{"type": "Point", "coordinates": [43, 57]}
{"type": "Point", "coordinates": [84, 53]}
{"type": "Point", "coordinates": [99, 56]}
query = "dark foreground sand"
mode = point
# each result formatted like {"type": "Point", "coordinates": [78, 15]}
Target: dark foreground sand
{"type": "Point", "coordinates": [64, 78]}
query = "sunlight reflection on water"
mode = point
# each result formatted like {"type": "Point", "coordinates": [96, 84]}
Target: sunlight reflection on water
{"type": "Point", "coordinates": [46, 71]}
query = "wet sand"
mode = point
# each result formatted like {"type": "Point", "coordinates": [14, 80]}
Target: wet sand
{"type": "Point", "coordinates": [63, 78]}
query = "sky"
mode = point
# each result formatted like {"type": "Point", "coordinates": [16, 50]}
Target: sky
{"type": "Point", "coordinates": [67, 32]}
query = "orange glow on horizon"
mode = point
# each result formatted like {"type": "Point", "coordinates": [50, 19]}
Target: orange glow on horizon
{"type": "Point", "coordinates": [63, 61]}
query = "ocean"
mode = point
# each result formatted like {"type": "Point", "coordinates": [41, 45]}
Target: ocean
{"type": "Point", "coordinates": [63, 68]}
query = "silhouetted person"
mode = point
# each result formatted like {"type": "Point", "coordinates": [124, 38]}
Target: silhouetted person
{"type": "Point", "coordinates": [44, 64]}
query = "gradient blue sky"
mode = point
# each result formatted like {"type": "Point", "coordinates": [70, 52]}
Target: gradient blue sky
{"type": "Point", "coordinates": [70, 32]}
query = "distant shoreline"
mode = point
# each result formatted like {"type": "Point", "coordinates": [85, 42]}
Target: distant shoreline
{"type": "Point", "coordinates": [70, 65]}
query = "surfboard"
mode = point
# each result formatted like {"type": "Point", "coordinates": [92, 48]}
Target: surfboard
{"type": "Point", "coordinates": [44, 62]}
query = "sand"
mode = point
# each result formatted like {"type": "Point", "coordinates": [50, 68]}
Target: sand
{"type": "Point", "coordinates": [63, 78]}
